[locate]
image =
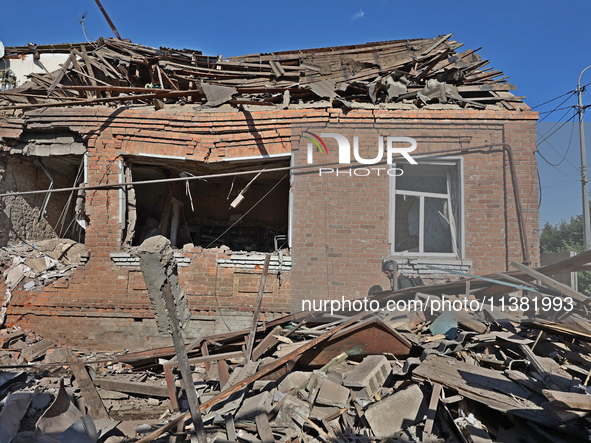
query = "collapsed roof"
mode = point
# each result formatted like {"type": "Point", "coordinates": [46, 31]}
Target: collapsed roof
{"type": "Point", "coordinates": [416, 72]}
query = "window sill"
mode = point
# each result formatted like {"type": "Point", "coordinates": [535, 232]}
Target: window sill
{"type": "Point", "coordinates": [423, 265]}
{"type": "Point", "coordinates": [127, 260]}
{"type": "Point", "coordinates": [254, 260]}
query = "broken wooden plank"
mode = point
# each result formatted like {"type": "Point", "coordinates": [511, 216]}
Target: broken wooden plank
{"type": "Point", "coordinates": [483, 385]}
{"type": "Point", "coordinates": [88, 65]}
{"type": "Point", "coordinates": [183, 363]}
{"type": "Point", "coordinates": [226, 337]}
{"type": "Point", "coordinates": [560, 329]}
{"type": "Point", "coordinates": [432, 412]}
{"type": "Point", "coordinates": [552, 380]}
{"type": "Point", "coordinates": [568, 400]}
{"type": "Point", "coordinates": [205, 353]}
{"type": "Point", "coordinates": [131, 387]}
{"type": "Point", "coordinates": [566, 290]}
{"type": "Point", "coordinates": [60, 74]}
{"type": "Point", "coordinates": [171, 388]}
{"type": "Point", "coordinates": [266, 370]}
{"type": "Point", "coordinates": [478, 435]}
{"type": "Point", "coordinates": [37, 350]}
{"type": "Point", "coordinates": [267, 343]}
{"type": "Point", "coordinates": [93, 401]}
{"type": "Point", "coordinates": [257, 308]}
{"type": "Point", "coordinates": [437, 43]}
{"type": "Point", "coordinates": [109, 21]}
{"type": "Point", "coordinates": [194, 344]}
{"type": "Point", "coordinates": [230, 429]}
{"type": "Point", "coordinates": [207, 358]}
{"type": "Point", "coordinates": [223, 374]}
{"type": "Point", "coordinates": [264, 429]}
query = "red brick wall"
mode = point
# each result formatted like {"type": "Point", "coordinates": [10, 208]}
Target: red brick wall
{"type": "Point", "coordinates": [340, 224]}
{"type": "Point", "coordinates": [345, 259]}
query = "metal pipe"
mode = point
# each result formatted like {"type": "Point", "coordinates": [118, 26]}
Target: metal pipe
{"type": "Point", "coordinates": [518, 207]}
{"type": "Point", "coordinates": [111, 24]}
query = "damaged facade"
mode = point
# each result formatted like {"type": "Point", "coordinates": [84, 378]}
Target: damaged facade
{"type": "Point", "coordinates": [118, 112]}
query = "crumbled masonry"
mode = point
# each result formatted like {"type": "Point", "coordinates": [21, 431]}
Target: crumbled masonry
{"type": "Point", "coordinates": [189, 199]}
{"type": "Point", "coordinates": [158, 266]}
{"type": "Point", "coordinates": [417, 72]}
{"type": "Point", "coordinates": [499, 378]}
{"type": "Point", "coordinates": [116, 142]}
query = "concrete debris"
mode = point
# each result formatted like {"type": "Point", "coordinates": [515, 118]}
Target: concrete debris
{"type": "Point", "coordinates": [493, 379]}
{"type": "Point", "coordinates": [35, 265]}
{"type": "Point", "coordinates": [396, 412]}
{"type": "Point", "coordinates": [13, 411]}
{"type": "Point", "coordinates": [332, 394]}
{"type": "Point", "coordinates": [369, 376]}
{"type": "Point", "coordinates": [159, 268]}
{"type": "Point", "coordinates": [288, 416]}
{"type": "Point", "coordinates": [419, 72]}
{"type": "Point", "coordinates": [37, 351]}
{"type": "Point", "coordinates": [292, 381]}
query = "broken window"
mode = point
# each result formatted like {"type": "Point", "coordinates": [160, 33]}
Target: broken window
{"type": "Point", "coordinates": [42, 216]}
{"type": "Point", "coordinates": [427, 209]}
{"type": "Point", "coordinates": [243, 212]}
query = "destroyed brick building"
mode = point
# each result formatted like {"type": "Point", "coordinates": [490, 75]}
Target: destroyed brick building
{"type": "Point", "coordinates": [219, 143]}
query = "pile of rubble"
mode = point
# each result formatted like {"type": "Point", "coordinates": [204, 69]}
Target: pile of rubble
{"type": "Point", "coordinates": [37, 264]}
{"type": "Point", "coordinates": [444, 372]}
{"type": "Point", "coordinates": [48, 395]}
{"type": "Point", "coordinates": [398, 377]}
{"type": "Point", "coordinates": [414, 72]}
{"type": "Point", "coordinates": [33, 265]}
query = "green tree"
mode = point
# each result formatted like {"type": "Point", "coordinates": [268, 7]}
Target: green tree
{"type": "Point", "coordinates": [566, 236]}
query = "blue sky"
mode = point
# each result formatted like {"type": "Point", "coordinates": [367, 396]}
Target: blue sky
{"type": "Point", "coordinates": [541, 45]}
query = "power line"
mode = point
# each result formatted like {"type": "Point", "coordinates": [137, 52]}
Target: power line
{"type": "Point", "coordinates": [567, 148]}
{"type": "Point", "coordinates": [555, 98]}
{"type": "Point", "coordinates": [556, 108]}
{"type": "Point", "coordinates": [557, 129]}
{"type": "Point", "coordinates": [551, 128]}
{"type": "Point", "coordinates": [572, 92]}
{"type": "Point", "coordinates": [559, 109]}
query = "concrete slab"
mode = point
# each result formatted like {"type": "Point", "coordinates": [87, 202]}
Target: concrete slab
{"type": "Point", "coordinates": [332, 394]}
{"type": "Point", "coordinates": [253, 406]}
{"type": "Point", "coordinates": [293, 380]}
{"type": "Point", "coordinates": [397, 412]}
{"type": "Point", "coordinates": [368, 376]}
{"type": "Point", "coordinates": [57, 355]}
{"type": "Point", "coordinates": [288, 417]}
{"type": "Point", "coordinates": [321, 412]}
{"type": "Point", "coordinates": [339, 372]}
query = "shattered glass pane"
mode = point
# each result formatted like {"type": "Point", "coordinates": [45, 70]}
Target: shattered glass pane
{"type": "Point", "coordinates": [437, 235]}
{"type": "Point", "coordinates": [422, 178]}
{"type": "Point", "coordinates": [406, 235]}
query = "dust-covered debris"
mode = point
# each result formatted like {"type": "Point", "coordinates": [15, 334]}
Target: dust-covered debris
{"type": "Point", "coordinates": [419, 72]}
{"type": "Point", "coordinates": [496, 378]}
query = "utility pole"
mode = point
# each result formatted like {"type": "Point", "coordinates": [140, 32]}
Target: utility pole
{"type": "Point", "coordinates": [584, 179]}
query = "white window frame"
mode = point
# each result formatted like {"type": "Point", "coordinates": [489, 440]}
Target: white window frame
{"type": "Point", "coordinates": [458, 162]}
